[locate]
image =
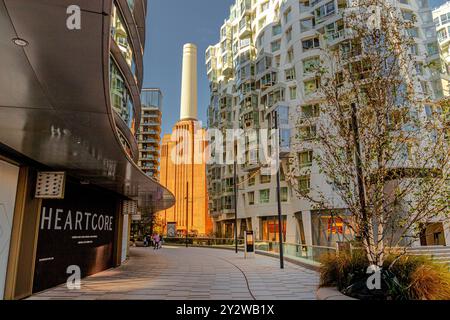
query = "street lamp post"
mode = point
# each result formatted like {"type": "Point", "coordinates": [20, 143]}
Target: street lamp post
{"type": "Point", "coordinates": [235, 206]}
{"type": "Point", "coordinates": [280, 227]}
{"type": "Point", "coordinates": [187, 212]}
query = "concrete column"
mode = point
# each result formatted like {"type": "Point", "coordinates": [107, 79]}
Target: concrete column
{"type": "Point", "coordinates": [239, 223]}
{"type": "Point", "coordinates": [291, 228]}
{"type": "Point", "coordinates": [255, 226]}
{"type": "Point", "coordinates": [189, 83]}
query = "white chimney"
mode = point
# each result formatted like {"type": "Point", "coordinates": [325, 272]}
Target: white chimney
{"type": "Point", "coordinates": [189, 83]}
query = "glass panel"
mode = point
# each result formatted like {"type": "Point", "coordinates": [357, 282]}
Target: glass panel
{"type": "Point", "coordinates": [151, 98]}
{"type": "Point", "coordinates": [120, 35]}
{"type": "Point", "coordinates": [121, 100]}
{"type": "Point", "coordinates": [270, 228]}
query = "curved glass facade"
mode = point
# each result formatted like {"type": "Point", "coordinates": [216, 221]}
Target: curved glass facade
{"type": "Point", "coordinates": [120, 35]}
{"type": "Point", "coordinates": [120, 97]}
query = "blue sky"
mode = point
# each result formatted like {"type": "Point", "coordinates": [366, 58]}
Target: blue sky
{"type": "Point", "coordinates": [171, 24]}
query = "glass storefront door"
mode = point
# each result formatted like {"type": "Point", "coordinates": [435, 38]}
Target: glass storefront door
{"type": "Point", "coordinates": [270, 228]}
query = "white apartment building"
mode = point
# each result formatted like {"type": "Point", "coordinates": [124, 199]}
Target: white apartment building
{"type": "Point", "coordinates": [261, 64]}
{"type": "Point", "coordinates": [441, 18]}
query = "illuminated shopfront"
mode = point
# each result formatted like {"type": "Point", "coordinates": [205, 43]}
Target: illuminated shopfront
{"type": "Point", "coordinates": [329, 228]}
{"type": "Point", "coordinates": [269, 228]}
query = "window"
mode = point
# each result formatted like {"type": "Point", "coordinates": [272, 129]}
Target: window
{"type": "Point", "coordinates": [285, 138]}
{"type": "Point", "coordinates": [432, 48]}
{"type": "Point", "coordinates": [442, 35]}
{"type": "Point", "coordinates": [293, 93]}
{"type": "Point", "coordinates": [227, 202]}
{"type": "Point", "coordinates": [287, 15]}
{"type": "Point", "coordinates": [276, 30]}
{"type": "Point", "coordinates": [290, 55]}
{"type": "Point", "coordinates": [264, 196]}
{"type": "Point", "coordinates": [304, 183]}
{"type": "Point", "coordinates": [120, 35]}
{"type": "Point", "coordinates": [276, 45]}
{"type": "Point", "coordinates": [121, 99]}
{"type": "Point", "coordinates": [284, 196]}
{"type": "Point", "coordinates": [290, 74]}
{"type": "Point", "coordinates": [277, 61]}
{"type": "Point", "coordinates": [308, 132]}
{"type": "Point", "coordinates": [270, 228]}
{"type": "Point", "coordinates": [264, 179]}
{"type": "Point", "coordinates": [310, 111]}
{"type": "Point", "coordinates": [325, 10]}
{"type": "Point", "coordinates": [251, 198]}
{"type": "Point", "coordinates": [445, 18]}
{"type": "Point", "coordinates": [350, 49]}
{"type": "Point", "coordinates": [414, 49]}
{"type": "Point", "coordinates": [436, 22]}
{"type": "Point", "coordinates": [289, 35]}
{"type": "Point", "coordinates": [311, 86]}
{"type": "Point", "coordinates": [261, 39]}
{"type": "Point", "coordinates": [251, 180]}
{"type": "Point", "coordinates": [413, 32]}
{"type": "Point", "coordinates": [407, 15]}
{"type": "Point", "coordinates": [430, 32]}
{"type": "Point", "coordinates": [264, 6]}
{"type": "Point", "coordinates": [305, 158]}
{"type": "Point", "coordinates": [310, 44]}
{"type": "Point", "coordinates": [311, 64]}
{"type": "Point", "coordinates": [307, 24]}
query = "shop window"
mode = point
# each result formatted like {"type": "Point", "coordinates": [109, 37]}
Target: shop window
{"type": "Point", "coordinates": [270, 228]}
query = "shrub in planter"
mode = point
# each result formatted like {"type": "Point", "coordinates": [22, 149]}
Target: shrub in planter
{"type": "Point", "coordinates": [402, 277]}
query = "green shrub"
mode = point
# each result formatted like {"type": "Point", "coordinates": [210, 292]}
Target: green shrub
{"type": "Point", "coordinates": [410, 277]}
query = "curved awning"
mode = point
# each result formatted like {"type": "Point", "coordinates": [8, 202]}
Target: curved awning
{"type": "Point", "coordinates": [54, 97]}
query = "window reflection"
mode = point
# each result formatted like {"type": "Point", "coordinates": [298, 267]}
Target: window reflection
{"type": "Point", "coordinates": [120, 35]}
{"type": "Point", "coordinates": [120, 97]}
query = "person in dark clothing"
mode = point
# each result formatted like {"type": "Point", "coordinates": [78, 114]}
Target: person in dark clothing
{"type": "Point", "coordinates": [160, 241]}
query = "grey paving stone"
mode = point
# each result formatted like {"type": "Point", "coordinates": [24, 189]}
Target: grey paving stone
{"type": "Point", "coordinates": [194, 273]}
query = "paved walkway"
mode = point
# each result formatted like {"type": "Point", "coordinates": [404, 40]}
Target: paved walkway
{"type": "Point", "coordinates": [194, 273]}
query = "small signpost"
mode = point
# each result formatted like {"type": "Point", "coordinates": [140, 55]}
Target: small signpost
{"type": "Point", "coordinates": [249, 245]}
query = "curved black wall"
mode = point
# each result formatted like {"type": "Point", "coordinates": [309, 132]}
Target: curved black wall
{"type": "Point", "coordinates": [78, 230]}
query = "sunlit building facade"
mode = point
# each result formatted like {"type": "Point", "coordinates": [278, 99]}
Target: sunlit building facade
{"type": "Point", "coordinates": [149, 132]}
{"type": "Point", "coordinates": [263, 64]}
{"type": "Point", "coordinates": [441, 18]}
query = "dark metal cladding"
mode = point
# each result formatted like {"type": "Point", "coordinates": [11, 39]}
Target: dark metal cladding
{"type": "Point", "coordinates": [55, 103]}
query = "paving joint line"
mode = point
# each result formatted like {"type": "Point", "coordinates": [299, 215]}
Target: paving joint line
{"type": "Point", "coordinates": [243, 273]}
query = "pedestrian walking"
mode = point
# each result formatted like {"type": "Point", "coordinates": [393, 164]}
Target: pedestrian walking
{"type": "Point", "coordinates": [156, 242]}
{"type": "Point", "coordinates": [160, 241]}
{"type": "Point", "coordinates": [145, 241]}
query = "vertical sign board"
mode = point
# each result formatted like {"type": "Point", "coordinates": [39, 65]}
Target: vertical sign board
{"type": "Point", "coordinates": [75, 231]}
{"type": "Point", "coordinates": [171, 229]}
{"type": "Point", "coordinates": [249, 243]}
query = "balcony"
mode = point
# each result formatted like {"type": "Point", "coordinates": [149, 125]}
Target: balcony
{"type": "Point", "coordinates": [337, 37]}
{"type": "Point", "coordinates": [245, 29]}
{"type": "Point", "coordinates": [149, 140]}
